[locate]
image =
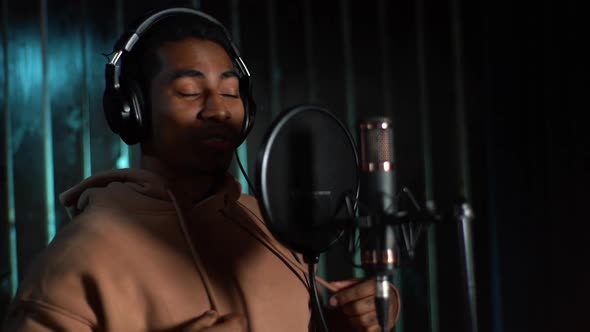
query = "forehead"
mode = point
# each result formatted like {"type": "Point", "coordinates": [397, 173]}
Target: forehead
{"type": "Point", "coordinates": [191, 52]}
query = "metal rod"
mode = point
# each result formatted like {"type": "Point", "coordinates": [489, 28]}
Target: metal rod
{"type": "Point", "coordinates": [466, 215]}
{"type": "Point", "coordinates": [382, 300]}
{"type": "Point", "coordinates": [465, 218]}
{"type": "Point", "coordinates": [349, 92]}
{"type": "Point", "coordinates": [459, 88]}
{"type": "Point", "coordinates": [424, 109]}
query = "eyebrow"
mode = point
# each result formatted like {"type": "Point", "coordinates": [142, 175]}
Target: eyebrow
{"type": "Point", "coordinates": [187, 73]}
{"type": "Point", "coordinates": [230, 73]}
{"type": "Point", "coordinates": [198, 74]}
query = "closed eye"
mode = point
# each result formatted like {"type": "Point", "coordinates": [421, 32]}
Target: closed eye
{"type": "Point", "coordinates": [230, 95]}
{"type": "Point", "coordinates": [189, 95]}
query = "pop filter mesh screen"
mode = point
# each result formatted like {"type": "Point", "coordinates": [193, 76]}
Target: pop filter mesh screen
{"type": "Point", "coordinates": [306, 167]}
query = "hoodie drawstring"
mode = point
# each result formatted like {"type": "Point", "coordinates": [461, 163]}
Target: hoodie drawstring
{"type": "Point", "coordinates": [195, 256]}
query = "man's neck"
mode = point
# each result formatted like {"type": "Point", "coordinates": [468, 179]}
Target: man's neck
{"type": "Point", "coordinates": [187, 186]}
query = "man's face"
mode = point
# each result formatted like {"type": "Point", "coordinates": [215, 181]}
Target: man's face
{"type": "Point", "coordinates": [196, 108]}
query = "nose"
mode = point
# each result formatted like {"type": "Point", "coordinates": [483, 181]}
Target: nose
{"type": "Point", "coordinates": [215, 109]}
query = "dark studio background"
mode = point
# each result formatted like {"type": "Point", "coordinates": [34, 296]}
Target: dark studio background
{"type": "Point", "coordinates": [486, 98]}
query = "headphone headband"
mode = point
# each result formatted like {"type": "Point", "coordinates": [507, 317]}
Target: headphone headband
{"type": "Point", "coordinates": [154, 18]}
{"type": "Point", "coordinates": [125, 45]}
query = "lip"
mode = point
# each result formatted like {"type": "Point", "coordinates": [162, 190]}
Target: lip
{"type": "Point", "coordinates": [215, 138]}
{"type": "Point", "coordinates": [216, 142]}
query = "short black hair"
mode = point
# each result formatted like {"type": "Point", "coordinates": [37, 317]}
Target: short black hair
{"type": "Point", "coordinates": [142, 63]}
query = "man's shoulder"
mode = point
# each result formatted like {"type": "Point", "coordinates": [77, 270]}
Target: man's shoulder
{"type": "Point", "coordinates": [97, 246]}
{"type": "Point", "coordinates": [64, 279]}
{"type": "Point", "coordinates": [88, 237]}
{"type": "Point", "coordinates": [66, 271]}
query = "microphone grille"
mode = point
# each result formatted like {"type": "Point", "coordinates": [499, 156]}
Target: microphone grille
{"type": "Point", "coordinates": [376, 142]}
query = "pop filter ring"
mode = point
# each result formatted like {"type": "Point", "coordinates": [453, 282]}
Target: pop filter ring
{"type": "Point", "coordinates": [262, 185]}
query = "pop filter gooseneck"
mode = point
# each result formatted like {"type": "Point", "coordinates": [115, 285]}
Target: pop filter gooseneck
{"type": "Point", "coordinates": [306, 173]}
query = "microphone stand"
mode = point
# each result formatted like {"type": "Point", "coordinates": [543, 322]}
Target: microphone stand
{"type": "Point", "coordinates": [382, 298]}
{"type": "Point", "coordinates": [379, 257]}
{"type": "Point", "coordinates": [464, 215]}
{"type": "Point", "coordinates": [381, 251]}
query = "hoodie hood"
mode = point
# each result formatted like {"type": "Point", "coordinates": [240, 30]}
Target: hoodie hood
{"type": "Point", "coordinates": [132, 187]}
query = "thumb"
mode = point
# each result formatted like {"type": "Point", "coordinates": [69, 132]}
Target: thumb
{"type": "Point", "coordinates": [207, 319]}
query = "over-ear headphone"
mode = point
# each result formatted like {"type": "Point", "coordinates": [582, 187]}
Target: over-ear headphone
{"type": "Point", "coordinates": [123, 101]}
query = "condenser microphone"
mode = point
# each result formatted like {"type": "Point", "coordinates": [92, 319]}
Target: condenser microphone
{"type": "Point", "coordinates": [377, 208]}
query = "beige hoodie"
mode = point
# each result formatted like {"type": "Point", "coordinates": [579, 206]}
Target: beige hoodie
{"type": "Point", "coordinates": [131, 260]}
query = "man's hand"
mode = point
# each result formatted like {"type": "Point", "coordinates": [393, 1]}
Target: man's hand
{"type": "Point", "coordinates": [355, 299]}
{"type": "Point", "coordinates": [211, 322]}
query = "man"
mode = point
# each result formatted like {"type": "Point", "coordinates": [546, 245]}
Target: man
{"type": "Point", "coordinates": [174, 246]}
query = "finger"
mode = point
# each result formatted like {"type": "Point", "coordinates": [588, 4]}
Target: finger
{"type": "Point", "coordinates": [359, 307]}
{"type": "Point", "coordinates": [394, 307]}
{"type": "Point", "coordinates": [364, 322]}
{"type": "Point", "coordinates": [341, 284]}
{"type": "Point", "coordinates": [327, 285]}
{"type": "Point", "coordinates": [231, 322]}
{"type": "Point", "coordinates": [354, 293]}
{"type": "Point", "coordinates": [207, 319]}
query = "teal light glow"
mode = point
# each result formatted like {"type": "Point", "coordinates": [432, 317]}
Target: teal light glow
{"type": "Point", "coordinates": [11, 209]}
{"type": "Point", "coordinates": [25, 75]}
{"type": "Point", "coordinates": [49, 180]}
{"type": "Point", "coordinates": [86, 146]}
{"type": "Point", "coordinates": [47, 131]}
{"type": "Point", "coordinates": [86, 143]}
{"type": "Point", "coordinates": [13, 259]}
{"type": "Point", "coordinates": [123, 160]}
{"type": "Point", "coordinates": [243, 155]}
{"type": "Point", "coordinates": [10, 204]}
{"type": "Point", "coordinates": [9, 167]}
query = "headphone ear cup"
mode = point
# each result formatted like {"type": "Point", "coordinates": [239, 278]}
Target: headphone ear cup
{"type": "Point", "coordinates": [132, 127]}
{"type": "Point", "coordinates": [112, 106]}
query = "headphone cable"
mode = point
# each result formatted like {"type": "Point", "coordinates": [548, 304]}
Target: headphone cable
{"type": "Point", "coordinates": [252, 188]}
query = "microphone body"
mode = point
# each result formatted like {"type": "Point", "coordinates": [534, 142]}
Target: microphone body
{"type": "Point", "coordinates": [377, 208]}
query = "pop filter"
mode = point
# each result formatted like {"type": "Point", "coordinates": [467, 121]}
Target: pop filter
{"type": "Point", "coordinates": [307, 166]}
